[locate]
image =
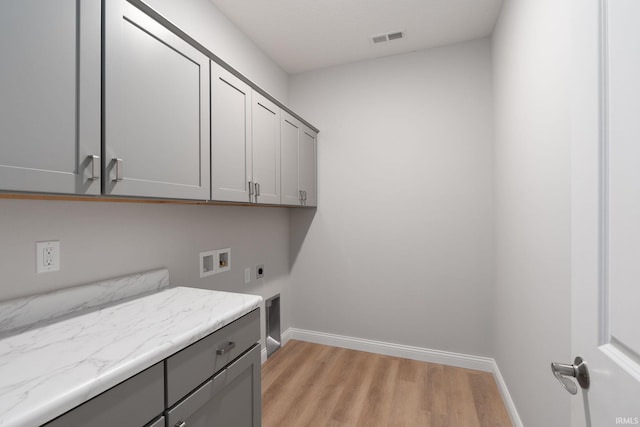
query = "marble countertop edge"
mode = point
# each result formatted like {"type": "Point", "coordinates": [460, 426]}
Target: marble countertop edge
{"type": "Point", "coordinates": [45, 410]}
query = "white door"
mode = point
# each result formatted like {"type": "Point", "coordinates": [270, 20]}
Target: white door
{"type": "Point", "coordinates": [606, 209]}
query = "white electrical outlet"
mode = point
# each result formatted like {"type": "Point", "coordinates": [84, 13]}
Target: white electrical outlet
{"type": "Point", "coordinates": [47, 256]}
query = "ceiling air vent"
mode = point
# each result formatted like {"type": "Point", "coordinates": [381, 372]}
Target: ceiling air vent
{"type": "Point", "coordinates": [381, 38]}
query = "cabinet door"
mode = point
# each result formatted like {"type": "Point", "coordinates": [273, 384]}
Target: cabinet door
{"type": "Point", "coordinates": [266, 149]}
{"type": "Point", "coordinates": [230, 136]}
{"type": "Point", "coordinates": [307, 166]}
{"type": "Point", "coordinates": [50, 96]}
{"type": "Point", "coordinates": [290, 136]}
{"type": "Point", "coordinates": [156, 109]}
{"type": "Point", "coordinates": [231, 398]}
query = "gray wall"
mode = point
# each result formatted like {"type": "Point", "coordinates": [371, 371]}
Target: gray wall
{"type": "Point", "coordinates": [532, 317]}
{"type": "Point", "coordinates": [205, 23]}
{"type": "Point", "coordinates": [401, 247]}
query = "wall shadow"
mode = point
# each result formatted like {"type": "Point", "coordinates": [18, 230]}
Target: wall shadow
{"type": "Point", "coordinates": [299, 223]}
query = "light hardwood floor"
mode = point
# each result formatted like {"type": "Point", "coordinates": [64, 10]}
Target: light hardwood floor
{"type": "Point", "coordinates": [306, 384]}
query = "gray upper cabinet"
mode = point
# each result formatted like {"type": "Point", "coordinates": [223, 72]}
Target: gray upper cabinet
{"type": "Point", "coordinates": [156, 109]}
{"type": "Point", "coordinates": [266, 149]}
{"type": "Point", "coordinates": [298, 162]}
{"type": "Point", "coordinates": [290, 135]}
{"type": "Point", "coordinates": [50, 96]}
{"type": "Point", "coordinates": [245, 142]}
{"type": "Point", "coordinates": [230, 137]}
{"type": "Point", "coordinates": [307, 170]}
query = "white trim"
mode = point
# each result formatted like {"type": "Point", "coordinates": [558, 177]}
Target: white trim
{"type": "Point", "coordinates": [506, 397]}
{"type": "Point", "coordinates": [388, 349]}
{"type": "Point", "coordinates": [284, 339]}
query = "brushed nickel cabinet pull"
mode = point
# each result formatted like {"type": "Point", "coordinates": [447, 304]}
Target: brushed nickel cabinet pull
{"type": "Point", "coordinates": [119, 170]}
{"type": "Point", "coordinates": [226, 349]}
{"type": "Point", "coordinates": [95, 167]}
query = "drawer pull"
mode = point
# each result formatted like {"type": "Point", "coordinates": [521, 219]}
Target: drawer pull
{"type": "Point", "coordinates": [226, 349]}
{"type": "Point", "coordinates": [180, 424]}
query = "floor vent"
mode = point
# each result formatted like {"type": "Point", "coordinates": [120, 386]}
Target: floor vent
{"type": "Point", "coordinates": [381, 38]}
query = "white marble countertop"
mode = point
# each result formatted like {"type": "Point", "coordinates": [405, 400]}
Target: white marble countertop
{"type": "Point", "coordinates": [50, 368]}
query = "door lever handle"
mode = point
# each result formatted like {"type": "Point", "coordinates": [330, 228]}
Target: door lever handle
{"type": "Point", "coordinates": [578, 370]}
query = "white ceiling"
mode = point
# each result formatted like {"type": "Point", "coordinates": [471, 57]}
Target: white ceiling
{"type": "Point", "coordinates": [302, 35]}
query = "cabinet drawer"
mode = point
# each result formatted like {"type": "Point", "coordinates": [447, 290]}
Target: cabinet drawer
{"type": "Point", "coordinates": [231, 398]}
{"type": "Point", "coordinates": [132, 403]}
{"type": "Point", "coordinates": [192, 366]}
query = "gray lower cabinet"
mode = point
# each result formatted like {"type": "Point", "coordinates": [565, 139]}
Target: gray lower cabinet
{"type": "Point", "coordinates": [156, 109]}
{"type": "Point", "coordinates": [133, 403]}
{"type": "Point", "coordinates": [213, 382]}
{"type": "Point", "coordinates": [230, 398]}
{"type": "Point", "coordinates": [298, 162]}
{"type": "Point", "coordinates": [216, 381]}
{"type": "Point", "coordinates": [190, 367]}
{"type": "Point", "coordinates": [50, 96]}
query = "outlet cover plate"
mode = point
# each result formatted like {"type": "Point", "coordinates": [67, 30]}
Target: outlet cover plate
{"type": "Point", "coordinates": [47, 256]}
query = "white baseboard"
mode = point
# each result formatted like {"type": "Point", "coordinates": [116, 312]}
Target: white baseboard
{"type": "Point", "coordinates": [506, 397]}
{"type": "Point", "coordinates": [388, 349]}
{"type": "Point", "coordinates": [485, 364]}
{"type": "Point", "coordinates": [284, 338]}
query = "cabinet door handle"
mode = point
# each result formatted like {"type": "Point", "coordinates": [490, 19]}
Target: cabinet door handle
{"type": "Point", "coordinates": [301, 196]}
{"type": "Point", "coordinates": [226, 349]}
{"type": "Point", "coordinates": [119, 170]}
{"type": "Point", "coordinates": [95, 167]}
{"type": "Point", "coordinates": [305, 195]}
{"type": "Point", "coordinates": [180, 424]}
{"type": "Point", "coordinates": [257, 190]}
{"type": "Point", "coordinates": [250, 189]}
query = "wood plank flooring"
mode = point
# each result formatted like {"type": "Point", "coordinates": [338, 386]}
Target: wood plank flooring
{"type": "Point", "coordinates": [306, 384]}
